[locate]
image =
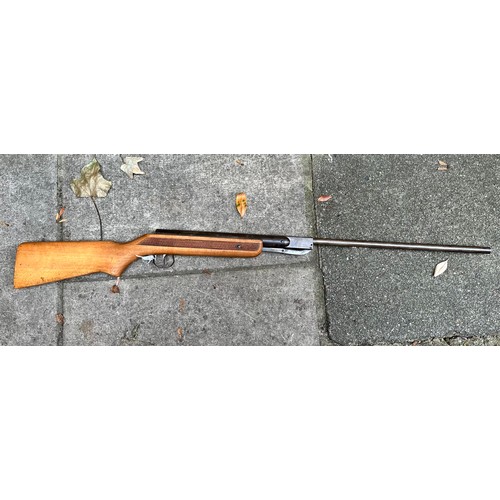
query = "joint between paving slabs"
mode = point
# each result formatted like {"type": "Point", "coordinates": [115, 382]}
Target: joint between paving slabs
{"type": "Point", "coordinates": [60, 237]}
{"type": "Point", "coordinates": [325, 338]}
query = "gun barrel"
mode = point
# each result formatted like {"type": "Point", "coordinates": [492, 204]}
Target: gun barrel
{"type": "Point", "coordinates": [402, 246]}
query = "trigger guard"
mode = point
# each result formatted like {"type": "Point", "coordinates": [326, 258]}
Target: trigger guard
{"type": "Point", "coordinates": [162, 261]}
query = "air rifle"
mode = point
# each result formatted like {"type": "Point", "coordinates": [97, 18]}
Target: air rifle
{"type": "Point", "coordinates": [43, 262]}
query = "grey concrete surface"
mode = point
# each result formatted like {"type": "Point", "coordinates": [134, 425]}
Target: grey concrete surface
{"type": "Point", "coordinates": [455, 341]}
{"type": "Point", "coordinates": [28, 187]}
{"type": "Point", "coordinates": [356, 296]}
{"type": "Point", "coordinates": [270, 300]}
{"type": "Point", "coordinates": [260, 306]}
{"type": "Point", "coordinates": [378, 296]}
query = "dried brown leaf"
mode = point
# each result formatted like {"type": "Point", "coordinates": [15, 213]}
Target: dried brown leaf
{"type": "Point", "coordinates": [180, 334]}
{"type": "Point", "coordinates": [239, 162]}
{"type": "Point", "coordinates": [241, 203]}
{"type": "Point", "coordinates": [4, 224]}
{"type": "Point", "coordinates": [59, 214]}
{"type": "Point", "coordinates": [91, 183]}
{"type": "Point", "coordinates": [60, 318]}
{"type": "Point", "coordinates": [324, 197]}
{"type": "Point", "coordinates": [131, 166]}
{"type": "Point", "coordinates": [115, 288]}
{"type": "Point", "coordinates": [182, 305]}
{"type": "Point", "coordinates": [443, 166]}
{"type": "Point", "coordinates": [441, 268]}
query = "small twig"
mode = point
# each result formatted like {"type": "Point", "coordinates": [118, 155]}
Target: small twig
{"type": "Point", "coordinates": [98, 214]}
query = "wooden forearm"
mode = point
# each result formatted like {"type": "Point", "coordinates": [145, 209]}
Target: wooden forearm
{"type": "Point", "coordinates": [45, 262]}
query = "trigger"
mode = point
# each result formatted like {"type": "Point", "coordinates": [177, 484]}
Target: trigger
{"type": "Point", "coordinates": [164, 261]}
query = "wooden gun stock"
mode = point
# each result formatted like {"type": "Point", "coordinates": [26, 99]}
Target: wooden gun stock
{"type": "Point", "coordinates": [45, 262]}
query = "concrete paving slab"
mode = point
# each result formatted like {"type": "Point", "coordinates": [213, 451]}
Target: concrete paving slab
{"type": "Point", "coordinates": [195, 192]}
{"type": "Point", "coordinates": [27, 213]}
{"type": "Point", "coordinates": [489, 340]}
{"type": "Point", "coordinates": [377, 296]}
{"type": "Point", "coordinates": [260, 306]}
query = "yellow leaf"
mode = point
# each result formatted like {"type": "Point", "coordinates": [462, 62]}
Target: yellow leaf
{"type": "Point", "coordinates": [91, 183]}
{"type": "Point", "coordinates": [241, 203]}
